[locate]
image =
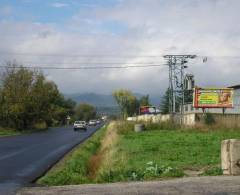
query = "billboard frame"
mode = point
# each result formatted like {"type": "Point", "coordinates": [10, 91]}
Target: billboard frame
{"type": "Point", "coordinates": [195, 98]}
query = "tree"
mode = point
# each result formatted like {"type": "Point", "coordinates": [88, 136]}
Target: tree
{"type": "Point", "coordinates": [85, 112]}
{"type": "Point", "coordinates": [127, 102]}
{"type": "Point", "coordinates": [27, 98]}
{"type": "Point", "coordinates": [164, 106]}
{"type": "Point", "coordinates": [144, 101]}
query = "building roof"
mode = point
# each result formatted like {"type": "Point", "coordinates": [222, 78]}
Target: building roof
{"type": "Point", "coordinates": [235, 87]}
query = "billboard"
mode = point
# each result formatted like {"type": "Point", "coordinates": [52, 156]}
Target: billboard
{"type": "Point", "coordinates": [147, 110]}
{"type": "Point", "coordinates": [213, 98]}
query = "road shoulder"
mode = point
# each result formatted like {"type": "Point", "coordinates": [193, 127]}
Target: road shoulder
{"type": "Point", "coordinates": [188, 185]}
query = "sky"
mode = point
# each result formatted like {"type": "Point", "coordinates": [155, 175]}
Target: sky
{"type": "Point", "coordinates": [73, 33]}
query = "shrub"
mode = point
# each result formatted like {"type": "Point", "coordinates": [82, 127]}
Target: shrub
{"type": "Point", "coordinates": [209, 119]}
{"type": "Point", "coordinates": [161, 126]}
{"type": "Point", "coordinates": [150, 171]}
{"type": "Point", "coordinates": [213, 171]}
{"type": "Point", "coordinates": [124, 127]}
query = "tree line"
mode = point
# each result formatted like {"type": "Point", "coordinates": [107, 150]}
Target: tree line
{"type": "Point", "coordinates": [128, 103]}
{"type": "Point", "coordinates": [28, 100]}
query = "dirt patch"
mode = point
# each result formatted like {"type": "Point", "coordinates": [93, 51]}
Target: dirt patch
{"type": "Point", "coordinates": [93, 165]}
{"type": "Point", "coordinates": [193, 173]}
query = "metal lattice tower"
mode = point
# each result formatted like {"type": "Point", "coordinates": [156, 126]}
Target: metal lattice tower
{"type": "Point", "coordinates": [177, 64]}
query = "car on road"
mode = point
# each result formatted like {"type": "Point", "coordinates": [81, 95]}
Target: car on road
{"type": "Point", "coordinates": [98, 121]}
{"type": "Point", "coordinates": [92, 123]}
{"type": "Point", "coordinates": [80, 125]}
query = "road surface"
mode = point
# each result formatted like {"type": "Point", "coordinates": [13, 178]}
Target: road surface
{"type": "Point", "coordinates": [25, 158]}
{"type": "Point", "coordinates": [216, 185]}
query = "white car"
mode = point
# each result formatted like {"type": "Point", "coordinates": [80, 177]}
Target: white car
{"type": "Point", "coordinates": [92, 123]}
{"type": "Point", "coordinates": [80, 125]}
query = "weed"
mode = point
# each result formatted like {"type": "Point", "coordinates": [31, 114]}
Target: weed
{"type": "Point", "coordinates": [209, 119]}
{"type": "Point", "coordinates": [212, 171]}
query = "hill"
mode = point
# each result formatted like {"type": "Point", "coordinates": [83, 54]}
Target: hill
{"type": "Point", "coordinates": [105, 103]}
{"type": "Point", "coordinates": [105, 100]}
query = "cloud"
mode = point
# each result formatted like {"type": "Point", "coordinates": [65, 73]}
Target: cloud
{"type": "Point", "coordinates": [59, 5]}
{"type": "Point", "coordinates": [151, 28]}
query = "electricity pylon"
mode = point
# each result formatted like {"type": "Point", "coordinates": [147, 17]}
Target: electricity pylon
{"type": "Point", "coordinates": [177, 64]}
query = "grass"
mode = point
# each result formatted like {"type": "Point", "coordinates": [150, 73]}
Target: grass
{"type": "Point", "coordinates": [41, 126]}
{"type": "Point", "coordinates": [74, 168]}
{"type": "Point", "coordinates": [120, 154]}
{"type": "Point", "coordinates": [164, 153]}
{"type": "Point", "coordinates": [8, 132]}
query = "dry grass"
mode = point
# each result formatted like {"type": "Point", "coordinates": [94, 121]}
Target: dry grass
{"type": "Point", "coordinates": [104, 154]}
{"type": "Point", "coordinates": [107, 150]}
{"type": "Point", "coordinates": [110, 137]}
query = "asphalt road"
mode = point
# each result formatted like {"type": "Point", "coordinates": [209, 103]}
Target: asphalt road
{"type": "Point", "coordinates": [215, 185]}
{"type": "Point", "coordinates": [24, 158]}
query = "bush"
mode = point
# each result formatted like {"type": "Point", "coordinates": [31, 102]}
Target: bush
{"type": "Point", "coordinates": [161, 126]}
{"type": "Point", "coordinates": [41, 125]}
{"type": "Point", "coordinates": [150, 171]}
{"type": "Point", "coordinates": [213, 171]}
{"type": "Point", "coordinates": [209, 119]}
{"type": "Point", "coordinates": [124, 127]}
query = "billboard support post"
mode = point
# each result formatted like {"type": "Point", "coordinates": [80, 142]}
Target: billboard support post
{"type": "Point", "coordinates": [223, 110]}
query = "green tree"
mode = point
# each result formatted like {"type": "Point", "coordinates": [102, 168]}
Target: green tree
{"type": "Point", "coordinates": [144, 101]}
{"type": "Point", "coordinates": [27, 98]}
{"type": "Point", "coordinates": [85, 112]}
{"type": "Point", "coordinates": [164, 106]}
{"type": "Point", "coordinates": [127, 102]}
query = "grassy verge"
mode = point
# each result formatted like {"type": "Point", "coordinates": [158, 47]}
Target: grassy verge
{"type": "Point", "coordinates": [74, 168]}
{"type": "Point", "coordinates": [8, 132]}
{"type": "Point", "coordinates": [38, 127]}
{"type": "Point", "coordinates": [117, 153]}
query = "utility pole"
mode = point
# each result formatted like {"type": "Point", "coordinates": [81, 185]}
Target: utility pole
{"type": "Point", "coordinates": [177, 64]}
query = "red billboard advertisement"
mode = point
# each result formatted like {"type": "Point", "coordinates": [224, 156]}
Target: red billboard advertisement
{"type": "Point", "coordinates": [147, 110]}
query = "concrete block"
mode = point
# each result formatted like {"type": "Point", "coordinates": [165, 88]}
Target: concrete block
{"type": "Point", "coordinates": [230, 156]}
{"type": "Point", "coordinates": [139, 127]}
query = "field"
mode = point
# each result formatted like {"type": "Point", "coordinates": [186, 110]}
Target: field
{"type": "Point", "coordinates": [124, 155]}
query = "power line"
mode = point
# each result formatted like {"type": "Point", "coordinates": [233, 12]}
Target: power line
{"type": "Point", "coordinates": [88, 63]}
{"type": "Point", "coordinates": [84, 67]}
{"type": "Point", "coordinates": [105, 55]}
{"type": "Point", "coordinates": [80, 55]}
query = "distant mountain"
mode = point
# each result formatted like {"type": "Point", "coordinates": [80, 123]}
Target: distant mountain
{"type": "Point", "coordinates": [98, 100]}
{"type": "Point", "coordinates": [102, 100]}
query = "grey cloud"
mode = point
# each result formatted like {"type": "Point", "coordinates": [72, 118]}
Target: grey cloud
{"type": "Point", "coordinates": [206, 28]}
